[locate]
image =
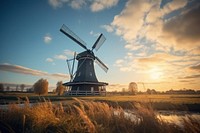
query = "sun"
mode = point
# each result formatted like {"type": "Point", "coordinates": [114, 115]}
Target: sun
{"type": "Point", "coordinates": [155, 73]}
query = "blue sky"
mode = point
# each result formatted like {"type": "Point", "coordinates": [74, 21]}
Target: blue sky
{"type": "Point", "coordinates": [152, 42]}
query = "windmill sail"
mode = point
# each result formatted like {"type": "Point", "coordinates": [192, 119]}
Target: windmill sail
{"type": "Point", "coordinates": [101, 64]}
{"type": "Point", "coordinates": [64, 29]}
{"type": "Point", "coordinates": [99, 42]}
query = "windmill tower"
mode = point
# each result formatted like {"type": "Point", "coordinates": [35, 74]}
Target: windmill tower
{"type": "Point", "coordinates": [84, 80]}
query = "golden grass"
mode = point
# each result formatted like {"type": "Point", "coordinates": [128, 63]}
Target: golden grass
{"type": "Point", "coordinates": [86, 116]}
{"type": "Point", "coordinates": [179, 99]}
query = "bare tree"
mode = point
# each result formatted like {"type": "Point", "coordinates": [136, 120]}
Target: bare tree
{"type": "Point", "coordinates": [60, 88]}
{"type": "Point", "coordinates": [7, 88]}
{"type": "Point", "coordinates": [133, 88]}
{"type": "Point", "coordinates": [41, 87]}
{"type": "Point", "coordinates": [22, 86]}
{"type": "Point", "coordinates": [17, 88]}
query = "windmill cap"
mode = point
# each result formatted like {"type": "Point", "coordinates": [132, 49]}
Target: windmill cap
{"type": "Point", "coordinates": [88, 54]}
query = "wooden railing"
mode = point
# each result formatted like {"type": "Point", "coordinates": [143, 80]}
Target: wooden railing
{"type": "Point", "coordinates": [85, 93]}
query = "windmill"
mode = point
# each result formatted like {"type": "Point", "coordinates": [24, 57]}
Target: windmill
{"type": "Point", "coordinates": [84, 81]}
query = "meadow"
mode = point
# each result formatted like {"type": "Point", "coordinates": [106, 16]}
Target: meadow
{"type": "Point", "coordinates": [184, 102]}
{"type": "Point", "coordinates": [95, 114]}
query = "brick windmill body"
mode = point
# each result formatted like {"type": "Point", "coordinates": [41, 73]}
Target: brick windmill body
{"type": "Point", "coordinates": [84, 80]}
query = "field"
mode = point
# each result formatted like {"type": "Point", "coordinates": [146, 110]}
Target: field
{"type": "Point", "coordinates": [158, 102]}
{"type": "Point", "coordinates": [54, 114]}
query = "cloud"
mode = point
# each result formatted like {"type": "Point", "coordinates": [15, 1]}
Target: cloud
{"type": "Point", "coordinates": [99, 5]}
{"type": "Point", "coordinates": [130, 21]}
{"type": "Point", "coordinates": [21, 69]}
{"type": "Point", "coordinates": [57, 3]}
{"type": "Point", "coordinates": [68, 52]}
{"type": "Point", "coordinates": [132, 47]}
{"type": "Point", "coordinates": [47, 39]}
{"type": "Point", "coordinates": [173, 26]}
{"type": "Point", "coordinates": [116, 87]}
{"type": "Point", "coordinates": [174, 5]}
{"type": "Point", "coordinates": [94, 5]}
{"type": "Point", "coordinates": [108, 28]}
{"type": "Point", "coordinates": [49, 60]}
{"type": "Point", "coordinates": [195, 67]}
{"type": "Point", "coordinates": [60, 75]}
{"type": "Point", "coordinates": [60, 57]}
{"type": "Point", "coordinates": [28, 71]}
{"type": "Point", "coordinates": [77, 4]}
{"type": "Point", "coordinates": [183, 31]}
{"type": "Point", "coordinates": [94, 34]}
{"type": "Point", "coordinates": [186, 81]}
{"type": "Point", "coordinates": [191, 76]}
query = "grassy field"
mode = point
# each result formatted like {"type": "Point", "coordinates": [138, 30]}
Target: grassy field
{"type": "Point", "coordinates": [179, 99]}
{"type": "Point", "coordinates": [158, 102]}
{"type": "Point", "coordinates": [87, 116]}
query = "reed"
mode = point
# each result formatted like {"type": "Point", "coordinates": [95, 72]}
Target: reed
{"type": "Point", "coordinates": [87, 116]}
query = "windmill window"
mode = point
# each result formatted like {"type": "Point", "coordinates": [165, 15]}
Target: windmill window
{"type": "Point", "coordinates": [90, 73]}
{"type": "Point", "coordinates": [79, 74]}
{"type": "Point", "coordinates": [90, 62]}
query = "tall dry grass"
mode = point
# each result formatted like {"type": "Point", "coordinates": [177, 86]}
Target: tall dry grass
{"type": "Point", "coordinates": [87, 116]}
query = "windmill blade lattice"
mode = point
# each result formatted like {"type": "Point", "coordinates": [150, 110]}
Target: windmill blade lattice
{"type": "Point", "coordinates": [99, 42]}
{"type": "Point", "coordinates": [101, 64]}
{"type": "Point", "coordinates": [64, 29]}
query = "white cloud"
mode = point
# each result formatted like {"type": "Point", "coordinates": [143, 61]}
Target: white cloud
{"type": "Point", "coordinates": [129, 22]}
{"type": "Point", "coordinates": [57, 3]}
{"type": "Point", "coordinates": [21, 69]}
{"type": "Point", "coordinates": [119, 62]}
{"type": "Point", "coordinates": [94, 34]}
{"type": "Point", "coordinates": [47, 39]}
{"type": "Point", "coordinates": [68, 52]}
{"type": "Point", "coordinates": [60, 75]}
{"type": "Point", "coordinates": [78, 4]}
{"type": "Point", "coordinates": [174, 5]}
{"type": "Point", "coordinates": [95, 5]}
{"type": "Point", "coordinates": [28, 71]}
{"type": "Point", "coordinates": [133, 47]}
{"type": "Point", "coordinates": [49, 60]}
{"type": "Point", "coordinates": [108, 28]}
{"type": "Point", "coordinates": [99, 5]}
{"type": "Point", "coordinates": [60, 57]}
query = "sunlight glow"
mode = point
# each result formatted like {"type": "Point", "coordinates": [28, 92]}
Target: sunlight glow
{"type": "Point", "coordinates": [155, 73]}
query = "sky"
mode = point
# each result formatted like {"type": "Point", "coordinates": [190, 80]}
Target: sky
{"type": "Point", "coordinates": [155, 43]}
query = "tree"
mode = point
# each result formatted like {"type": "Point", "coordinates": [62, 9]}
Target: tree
{"type": "Point", "coordinates": [151, 91]}
{"type": "Point", "coordinates": [123, 91]}
{"type": "Point", "coordinates": [1, 87]}
{"type": "Point", "coordinates": [22, 86]}
{"type": "Point", "coordinates": [17, 88]}
{"type": "Point", "coordinates": [7, 88]}
{"type": "Point", "coordinates": [41, 87]}
{"type": "Point", "coordinates": [148, 91]}
{"type": "Point", "coordinates": [133, 88]}
{"type": "Point", "coordinates": [60, 88]}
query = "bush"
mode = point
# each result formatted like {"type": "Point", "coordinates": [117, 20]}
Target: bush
{"type": "Point", "coordinates": [60, 88]}
{"type": "Point", "coordinates": [41, 87]}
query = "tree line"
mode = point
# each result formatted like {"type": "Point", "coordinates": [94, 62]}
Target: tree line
{"type": "Point", "coordinates": [40, 87]}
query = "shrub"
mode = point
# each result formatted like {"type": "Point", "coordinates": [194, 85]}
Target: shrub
{"type": "Point", "coordinates": [41, 87]}
{"type": "Point", "coordinates": [60, 88]}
